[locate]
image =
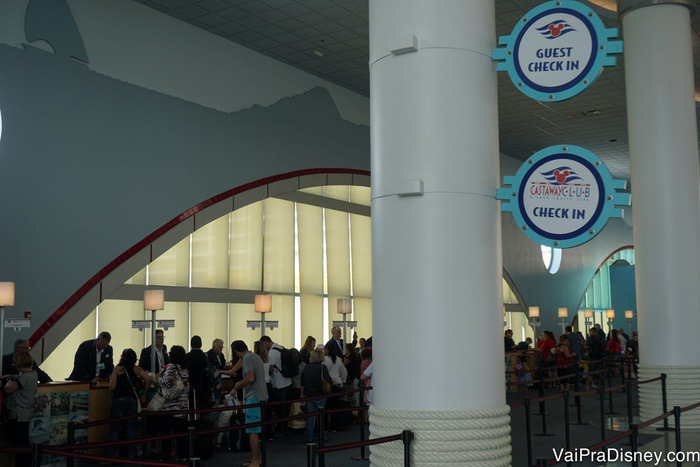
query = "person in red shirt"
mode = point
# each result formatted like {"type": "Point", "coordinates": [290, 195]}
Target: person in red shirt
{"type": "Point", "coordinates": [547, 345]}
{"type": "Point", "coordinates": [565, 357]}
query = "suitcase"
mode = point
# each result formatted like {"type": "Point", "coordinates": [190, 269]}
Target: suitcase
{"type": "Point", "coordinates": [239, 440]}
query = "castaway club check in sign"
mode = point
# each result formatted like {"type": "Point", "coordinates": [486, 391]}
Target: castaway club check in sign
{"type": "Point", "coordinates": [563, 196]}
{"type": "Point", "coordinates": [557, 50]}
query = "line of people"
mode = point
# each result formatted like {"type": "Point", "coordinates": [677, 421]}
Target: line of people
{"type": "Point", "coordinates": [198, 379]}
{"type": "Point", "coordinates": [570, 350]}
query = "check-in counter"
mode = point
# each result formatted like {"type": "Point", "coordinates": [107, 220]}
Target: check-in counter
{"type": "Point", "coordinates": [532, 357]}
{"type": "Point", "coordinates": [57, 404]}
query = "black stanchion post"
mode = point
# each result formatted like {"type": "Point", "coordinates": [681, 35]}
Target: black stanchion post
{"type": "Point", "coordinates": [362, 414]}
{"type": "Point", "coordinates": [528, 430]}
{"type": "Point", "coordinates": [190, 438]}
{"type": "Point", "coordinates": [543, 413]}
{"type": "Point", "coordinates": [579, 420]}
{"type": "Point", "coordinates": [622, 371]}
{"type": "Point", "coordinates": [36, 455]}
{"type": "Point", "coordinates": [567, 420]}
{"type": "Point", "coordinates": [633, 442]}
{"type": "Point", "coordinates": [263, 434]}
{"type": "Point", "coordinates": [664, 400]}
{"type": "Point", "coordinates": [677, 422]}
{"type": "Point", "coordinates": [541, 462]}
{"type": "Point", "coordinates": [407, 437]}
{"type": "Point", "coordinates": [632, 383]}
{"type": "Point", "coordinates": [601, 393]}
{"type": "Point", "coordinates": [70, 441]}
{"type": "Point", "coordinates": [322, 436]}
{"type": "Point", "coordinates": [310, 454]}
{"type": "Point", "coordinates": [629, 401]}
{"type": "Point", "coordinates": [610, 397]}
{"type": "Point", "coordinates": [541, 390]}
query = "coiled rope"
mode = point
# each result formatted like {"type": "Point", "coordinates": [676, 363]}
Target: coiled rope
{"type": "Point", "coordinates": [479, 438]}
{"type": "Point", "coordinates": [682, 389]}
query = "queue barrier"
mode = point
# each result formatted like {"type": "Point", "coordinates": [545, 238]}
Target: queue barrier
{"type": "Point", "coordinates": [629, 384]}
{"type": "Point", "coordinates": [633, 434]}
{"type": "Point", "coordinates": [70, 448]}
{"type": "Point", "coordinates": [406, 437]}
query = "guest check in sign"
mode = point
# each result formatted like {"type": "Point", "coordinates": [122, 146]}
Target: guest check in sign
{"type": "Point", "coordinates": [557, 50]}
{"type": "Point", "coordinates": [563, 196]}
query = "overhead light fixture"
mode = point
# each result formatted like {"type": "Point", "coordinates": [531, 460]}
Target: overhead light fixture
{"type": "Point", "coordinates": [318, 53]}
{"type": "Point", "coordinates": [587, 315]}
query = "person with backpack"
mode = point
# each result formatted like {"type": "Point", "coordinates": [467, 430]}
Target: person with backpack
{"type": "Point", "coordinates": [281, 384]}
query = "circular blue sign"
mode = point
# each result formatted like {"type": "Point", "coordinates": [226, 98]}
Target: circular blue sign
{"type": "Point", "coordinates": [562, 196]}
{"type": "Point", "coordinates": [557, 50]}
{"type": "Point", "coordinates": [563, 163]}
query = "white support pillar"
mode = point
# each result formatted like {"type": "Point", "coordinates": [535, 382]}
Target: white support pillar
{"type": "Point", "coordinates": [436, 237]}
{"type": "Point", "coordinates": [665, 198]}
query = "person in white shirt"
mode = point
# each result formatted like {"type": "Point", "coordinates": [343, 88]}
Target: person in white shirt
{"type": "Point", "coordinates": [623, 341]}
{"type": "Point", "coordinates": [281, 385]}
{"type": "Point", "coordinates": [338, 374]}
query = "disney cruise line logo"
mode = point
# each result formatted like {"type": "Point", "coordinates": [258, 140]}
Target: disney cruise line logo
{"type": "Point", "coordinates": [556, 29]}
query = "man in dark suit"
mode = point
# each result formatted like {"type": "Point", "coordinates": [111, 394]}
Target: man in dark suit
{"type": "Point", "coordinates": [8, 367]}
{"type": "Point", "coordinates": [93, 359]}
{"type": "Point", "coordinates": [161, 354]}
{"type": "Point", "coordinates": [335, 344]}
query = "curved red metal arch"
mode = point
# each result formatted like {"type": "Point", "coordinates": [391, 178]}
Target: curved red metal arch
{"type": "Point", "coordinates": [104, 272]}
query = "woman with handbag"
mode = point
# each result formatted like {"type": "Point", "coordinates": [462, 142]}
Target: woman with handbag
{"type": "Point", "coordinates": [338, 374]}
{"type": "Point", "coordinates": [125, 383]}
{"type": "Point", "coordinates": [315, 381]}
{"type": "Point", "coordinates": [173, 390]}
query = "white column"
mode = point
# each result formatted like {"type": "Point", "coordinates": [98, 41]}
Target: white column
{"type": "Point", "coordinates": [666, 200]}
{"type": "Point", "coordinates": [436, 238]}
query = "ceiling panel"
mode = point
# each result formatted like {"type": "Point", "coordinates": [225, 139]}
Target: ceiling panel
{"type": "Point", "coordinates": [330, 39]}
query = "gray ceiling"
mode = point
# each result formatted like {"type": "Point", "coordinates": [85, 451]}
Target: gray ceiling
{"type": "Point", "coordinates": [330, 39]}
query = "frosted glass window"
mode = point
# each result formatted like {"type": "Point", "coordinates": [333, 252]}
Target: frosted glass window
{"type": "Point", "coordinates": [337, 253]}
{"type": "Point", "coordinates": [312, 317]}
{"type": "Point", "coordinates": [115, 317]}
{"type": "Point", "coordinates": [246, 248]}
{"type": "Point", "coordinates": [239, 314]}
{"type": "Point", "coordinates": [208, 321]}
{"type": "Point", "coordinates": [138, 279]}
{"type": "Point", "coordinates": [59, 364]}
{"type": "Point", "coordinates": [279, 246]}
{"type": "Point", "coordinates": [172, 267]}
{"type": "Point", "coordinates": [362, 313]}
{"type": "Point", "coordinates": [210, 254]}
{"type": "Point", "coordinates": [361, 230]}
{"type": "Point", "coordinates": [360, 195]}
{"type": "Point", "coordinates": [310, 231]}
{"type": "Point", "coordinates": [339, 192]}
{"type": "Point", "coordinates": [508, 295]}
{"type": "Point", "coordinates": [314, 190]}
{"type": "Point", "coordinates": [282, 312]}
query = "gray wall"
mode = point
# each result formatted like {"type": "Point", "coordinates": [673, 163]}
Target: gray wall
{"type": "Point", "coordinates": [90, 165]}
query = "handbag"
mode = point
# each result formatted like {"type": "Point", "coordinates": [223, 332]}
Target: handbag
{"type": "Point", "coordinates": [326, 387]}
{"type": "Point", "coordinates": [167, 394]}
{"type": "Point", "coordinates": [138, 400]}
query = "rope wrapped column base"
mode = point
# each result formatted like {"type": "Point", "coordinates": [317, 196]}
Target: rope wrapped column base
{"type": "Point", "coordinates": [682, 387]}
{"type": "Point", "coordinates": [478, 438]}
